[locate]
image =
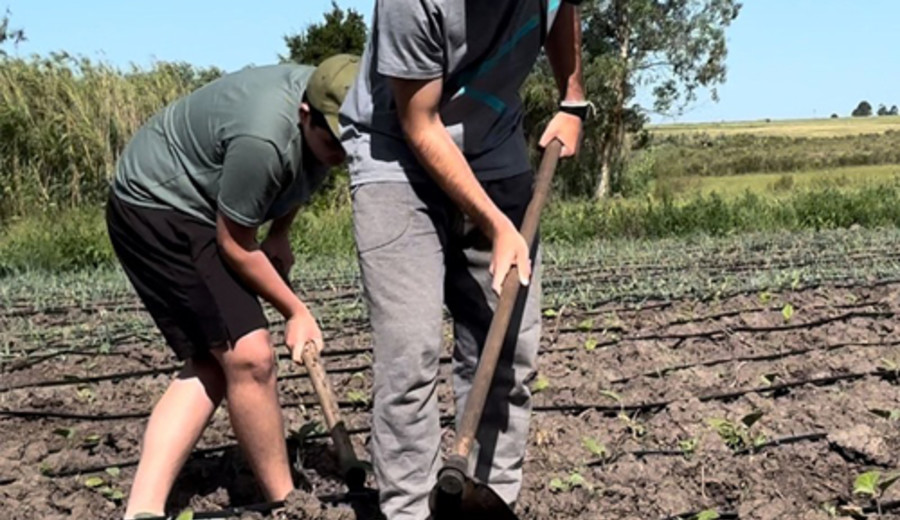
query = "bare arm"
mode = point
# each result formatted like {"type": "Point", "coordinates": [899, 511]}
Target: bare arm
{"type": "Point", "coordinates": [243, 254]}
{"type": "Point", "coordinates": [282, 225]}
{"type": "Point", "coordinates": [418, 103]}
{"type": "Point", "coordinates": [564, 52]}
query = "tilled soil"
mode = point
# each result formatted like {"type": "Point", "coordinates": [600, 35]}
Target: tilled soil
{"type": "Point", "coordinates": [641, 412]}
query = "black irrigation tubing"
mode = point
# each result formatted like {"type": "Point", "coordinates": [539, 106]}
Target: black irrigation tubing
{"type": "Point", "coordinates": [445, 420]}
{"type": "Point", "coordinates": [781, 441]}
{"type": "Point", "coordinates": [39, 414]}
{"type": "Point", "coordinates": [775, 328]}
{"type": "Point", "coordinates": [7, 481]}
{"type": "Point", "coordinates": [615, 409]}
{"type": "Point", "coordinates": [93, 379]}
{"type": "Point", "coordinates": [751, 359]}
{"type": "Point", "coordinates": [169, 369]}
{"type": "Point", "coordinates": [773, 308]}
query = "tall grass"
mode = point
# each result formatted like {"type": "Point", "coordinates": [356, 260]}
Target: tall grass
{"type": "Point", "coordinates": [323, 234]}
{"type": "Point", "coordinates": [694, 154]}
{"type": "Point", "coordinates": [65, 120]}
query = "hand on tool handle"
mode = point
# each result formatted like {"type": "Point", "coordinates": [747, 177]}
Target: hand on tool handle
{"type": "Point", "coordinates": [301, 331]}
{"type": "Point", "coordinates": [509, 251]}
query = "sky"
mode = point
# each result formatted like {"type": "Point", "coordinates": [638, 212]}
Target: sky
{"type": "Point", "coordinates": [787, 58]}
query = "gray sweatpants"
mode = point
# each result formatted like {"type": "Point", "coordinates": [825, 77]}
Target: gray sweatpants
{"type": "Point", "coordinates": [417, 252]}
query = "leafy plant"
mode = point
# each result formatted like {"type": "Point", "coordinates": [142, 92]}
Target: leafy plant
{"type": "Point", "coordinates": [688, 446]}
{"type": "Point", "coordinates": [738, 436]}
{"type": "Point", "coordinates": [564, 485]}
{"type": "Point", "coordinates": [591, 344]}
{"type": "Point", "coordinates": [874, 483]}
{"type": "Point", "coordinates": [358, 397]}
{"type": "Point", "coordinates": [636, 429]}
{"type": "Point", "coordinates": [596, 448]}
{"type": "Point", "coordinates": [787, 312]}
{"type": "Point", "coordinates": [586, 325]}
{"type": "Point", "coordinates": [540, 384]}
{"type": "Point", "coordinates": [709, 514]}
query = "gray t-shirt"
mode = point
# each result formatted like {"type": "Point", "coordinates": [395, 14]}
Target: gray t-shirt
{"type": "Point", "coordinates": [233, 145]}
{"type": "Point", "coordinates": [482, 49]}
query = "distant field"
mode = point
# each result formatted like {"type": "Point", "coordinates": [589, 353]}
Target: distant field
{"type": "Point", "coordinates": [843, 126]}
{"type": "Point", "coordinates": [779, 184]}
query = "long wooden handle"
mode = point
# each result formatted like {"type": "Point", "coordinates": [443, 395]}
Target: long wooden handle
{"type": "Point", "coordinates": [500, 322]}
{"type": "Point", "coordinates": [346, 455]}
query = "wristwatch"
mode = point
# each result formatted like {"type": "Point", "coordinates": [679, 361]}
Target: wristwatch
{"type": "Point", "coordinates": [580, 109]}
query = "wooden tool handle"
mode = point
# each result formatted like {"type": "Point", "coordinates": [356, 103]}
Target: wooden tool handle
{"type": "Point", "coordinates": [350, 466]}
{"type": "Point", "coordinates": [500, 322]}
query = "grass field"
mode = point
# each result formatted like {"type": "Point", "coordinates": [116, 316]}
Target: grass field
{"type": "Point", "coordinates": [825, 127]}
{"type": "Point", "coordinates": [785, 184]}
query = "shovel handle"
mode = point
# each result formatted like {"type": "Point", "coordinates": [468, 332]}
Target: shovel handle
{"type": "Point", "coordinates": [502, 315]}
{"type": "Point", "coordinates": [352, 470]}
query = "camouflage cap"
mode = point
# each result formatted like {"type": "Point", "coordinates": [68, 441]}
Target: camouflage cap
{"type": "Point", "coordinates": [329, 84]}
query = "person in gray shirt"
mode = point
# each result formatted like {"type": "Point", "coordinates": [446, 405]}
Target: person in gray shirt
{"type": "Point", "coordinates": [440, 179]}
{"type": "Point", "coordinates": [191, 190]}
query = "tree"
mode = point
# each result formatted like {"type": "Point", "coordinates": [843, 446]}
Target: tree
{"type": "Point", "coordinates": [673, 47]}
{"type": "Point", "coordinates": [341, 32]}
{"type": "Point", "coordinates": [882, 110]}
{"type": "Point", "coordinates": [863, 109]}
{"type": "Point", "coordinates": [16, 36]}
{"type": "Point", "coordinates": [893, 111]}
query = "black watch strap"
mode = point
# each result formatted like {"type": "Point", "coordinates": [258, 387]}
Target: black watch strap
{"type": "Point", "coordinates": [578, 109]}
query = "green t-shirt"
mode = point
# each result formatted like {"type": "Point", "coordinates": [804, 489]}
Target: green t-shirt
{"type": "Point", "coordinates": [233, 145]}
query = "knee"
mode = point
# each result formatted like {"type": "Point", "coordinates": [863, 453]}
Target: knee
{"type": "Point", "coordinates": [252, 359]}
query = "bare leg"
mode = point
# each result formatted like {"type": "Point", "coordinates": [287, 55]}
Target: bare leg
{"type": "Point", "coordinates": [252, 397]}
{"type": "Point", "coordinates": [174, 427]}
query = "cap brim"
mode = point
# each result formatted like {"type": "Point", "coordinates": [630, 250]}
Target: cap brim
{"type": "Point", "coordinates": [335, 125]}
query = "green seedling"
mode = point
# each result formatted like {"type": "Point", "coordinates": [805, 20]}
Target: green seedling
{"type": "Point", "coordinates": [187, 514]}
{"type": "Point", "coordinates": [308, 429]}
{"type": "Point", "coordinates": [688, 446]}
{"type": "Point", "coordinates": [768, 379]}
{"type": "Point", "coordinates": [94, 482]}
{"type": "Point", "coordinates": [113, 471]}
{"type": "Point", "coordinates": [85, 394]}
{"type": "Point", "coordinates": [873, 483]}
{"type": "Point", "coordinates": [540, 384]}
{"type": "Point", "coordinates": [550, 313]}
{"type": "Point", "coordinates": [891, 415]}
{"type": "Point", "coordinates": [358, 397]}
{"type": "Point", "coordinates": [574, 480]}
{"type": "Point", "coordinates": [795, 283]}
{"type": "Point", "coordinates": [890, 365]}
{"type": "Point", "coordinates": [591, 344]}
{"type": "Point", "coordinates": [636, 429]}
{"type": "Point", "coordinates": [612, 395]}
{"type": "Point", "coordinates": [830, 508]}
{"type": "Point", "coordinates": [787, 312]}
{"type": "Point", "coordinates": [112, 493]}
{"type": "Point", "coordinates": [586, 325]}
{"type": "Point", "coordinates": [709, 514]}
{"type": "Point", "coordinates": [66, 433]}
{"type": "Point", "coordinates": [596, 448]}
{"type": "Point", "coordinates": [91, 441]}
{"type": "Point", "coordinates": [765, 297]}
{"type": "Point", "coordinates": [738, 436]}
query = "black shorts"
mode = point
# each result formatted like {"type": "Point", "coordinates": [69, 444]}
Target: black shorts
{"type": "Point", "coordinates": [173, 262]}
